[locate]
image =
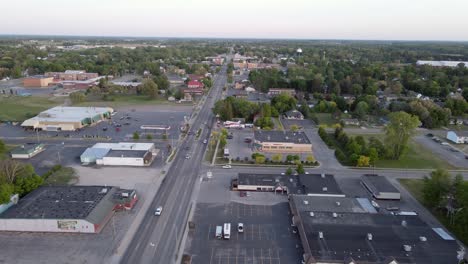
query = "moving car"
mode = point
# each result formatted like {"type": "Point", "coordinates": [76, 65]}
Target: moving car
{"type": "Point", "coordinates": [240, 227]}
{"type": "Point", "coordinates": [227, 166]}
{"type": "Point", "coordinates": [158, 210]}
{"type": "Point", "coordinates": [205, 141]}
{"type": "Point", "coordinates": [187, 156]}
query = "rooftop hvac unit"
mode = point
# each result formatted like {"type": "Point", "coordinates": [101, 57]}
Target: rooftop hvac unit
{"type": "Point", "coordinates": [306, 202]}
{"type": "Point", "coordinates": [323, 175]}
{"type": "Point", "coordinates": [321, 235]}
{"type": "Point", "coordinates": [311, 214]}
{"type": "Point", "coordinates": [407, 248]}
{"type": "Point", "coordinates": [103, 190]}
{"type": "Point", "coordinates": [335, 215]}
{"type": "Point", "coordinates": [422, 238]}
{"type": "Point", "coordinates": [404, 223]}
{"type": "Point", "coordinates": [125, 194]}
{"type": "Point", "coordinates": [324, 189]}
{"type": "Point", "coordinates": [369, 236]}
{"type": "Point", "coordinates": [338, 203]}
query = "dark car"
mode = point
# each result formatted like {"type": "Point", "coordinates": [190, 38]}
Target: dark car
{"type": "Point", "coordinates": [127, 124]}
{"type": "Point", "coordinates": [248, 140]}
{"type": "Point", "coordinates": [430, 135]}
{"type": "Point", "coordinates": [104, 129]}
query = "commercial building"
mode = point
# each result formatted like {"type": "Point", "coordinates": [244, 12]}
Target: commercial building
{"type": "Point", "coordinates": [61, 118]}
{"type": "Point", "coordinates": [342, 230]}
{"type": "Point", "coordinates": [26, 151]}
{"type": "Point", "coordinates": [380, 187]}
{"type": "Point", "coordinates": [308, 184]}
{"type": "Point", "coordinates": [73, 209]}
{"type": "Point", "coordinates": [282, 142]}
{"type": "Point", "coordinates": [120, 154]}
{"type": "Point", "coordinates": [278, 91]}
{"type": "Point", "coordinates": [72, 75]}
{"type": "Point", "coordinates": [195, 84]}
{"type": "Point", "coordinates": [451, 64]}
{"type": "Point", "coordinates": [37, 81]}
{"type": "Point", "coordinates": [458, 137]}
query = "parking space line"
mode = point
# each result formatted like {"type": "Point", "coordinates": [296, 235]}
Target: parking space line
{"type": "Point", "coordinates": [237, 254]}
{"type": "Point", "coordinates": [277, 253]}
{"type": "Point", "coordinates": [251, 210]}
{"type": "Point", "coordinates": [269, 254]}
{"type": "Point", "coordinates": [211, 258]}
{"type": "Point", "coordinates": [253, 228]}
{"type": "Point", "coordinates": [238, 209]}
{"type": "Point", "coordinates": [259, 232]}
{"type": "Point", "coordinates": [228, 255]}
{"type": "Point", "coordinates": [261, 254]}
{"type": "Point", "coordinates": [209, 230]}
{"type": "Point", "coordinates": [253, 255]}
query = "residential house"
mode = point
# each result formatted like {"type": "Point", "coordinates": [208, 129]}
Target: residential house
{"type": "Point", "coordinates": [195, 84]}
{"type": "Point", "coordinates": [350, 121]}
{"type": "Point", "coordinates": [293, 114]}
{"type": "Point", "coordinates": [458, 137]}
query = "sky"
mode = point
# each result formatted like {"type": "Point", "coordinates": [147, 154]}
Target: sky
{"type": "Point", "coordinates": [301, 19]}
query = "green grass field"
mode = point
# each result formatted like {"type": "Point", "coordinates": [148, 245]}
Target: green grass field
{"type": "Point", "coordinates": [125, 100]}
{"type": "Point", "coordinates": [18, 108]}
{"type": "Point", "coordinates": [326, 119]}
{"type": "Point", "coordinates": [417, 157]}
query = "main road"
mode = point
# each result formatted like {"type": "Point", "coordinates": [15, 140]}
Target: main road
{"type": "Point", "coordinates": [158, 237]}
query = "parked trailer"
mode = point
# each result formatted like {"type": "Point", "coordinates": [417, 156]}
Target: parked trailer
{"type": "Point", "coordinates": [219, 232]}
{"type": "Point", "coordinates": [227, 230]}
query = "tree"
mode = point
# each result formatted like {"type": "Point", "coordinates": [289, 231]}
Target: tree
{"type": "Point", "coordinates": [26, 184]}
{"type": "Point", "coordinates": [436, 187]}
{"type": "Point", "coordinates": [373, 155]}
{"type": "Point", "coordinates": [149, 88]}
{"type": "Point", "coordinates": [136, 136]}
{"type": "Point", "coordinates": [361, 109]}
{"type": "Point", "coordinates": [300, 168]}
{"type": "Point", "coordinates": [260, 159]}
{"type": "Point", "coordinates": [363, 161]}
{"type": "Point", "coordinates": [289, 171]}
{"type": "Point", "coordinates": [77, 97]}
{"type": "Point", "coordinates": [294, 128]}
{"type": "Point", "coordinates": [149, 137]}
{"type": "Point", "coordinates": [310, 158]}
{"type": "Point", "coordinates": [2, 146]}
{"type": "Point", "coordinates": [6, 190]}
{"type": "Point", "coordinates": [277, 157]}
{"type": "Point", "coordinates": [400, 129]}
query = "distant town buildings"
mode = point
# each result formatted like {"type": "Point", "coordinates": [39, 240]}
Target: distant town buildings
{"type": "Point", "coordinates": [451, 64]}
{"type": "Point", "coordinates": [61, 118]}
{"type": "Point", "coordinates": [72, 75]}
{"type": "Point", "coordinates": [293, 114]}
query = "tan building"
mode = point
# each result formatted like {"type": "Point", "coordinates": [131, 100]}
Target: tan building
{"type": "Point", "coordinates": [71, 75]}
{"type": "Point", "coordinates": [37, 81]}
{"type": "Point", "coordinates": [67, 118]}
{"type": "Point", "coordinates": [282, 142]}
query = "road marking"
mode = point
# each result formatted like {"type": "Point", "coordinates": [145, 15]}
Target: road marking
{"type": "Point", "coordinates": [237, 254]}
{"type": "Point", "coordinates": [259, 232]}
{"type": "Point", "coordinates": [211, 258]}
{"type": "Point", "coordinates": [253, 228]}
{"type": "Point", "coordinates": [261, 254]}
{"type": "Point", "coordinates": [253, 254]}
{"type": "Point", "coordinates": [269, 254]}
{"type": "Point", "coordinates": [209, 230]}
{"type": "Point", "coordinates": [277, 253]}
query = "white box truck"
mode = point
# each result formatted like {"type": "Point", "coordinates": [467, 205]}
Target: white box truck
{"type": "Point", "coordinates": [219, 232]}
{"type": "Point", "coordinates": [227, 230]}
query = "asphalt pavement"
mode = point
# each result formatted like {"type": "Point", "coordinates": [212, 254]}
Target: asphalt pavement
{"type": "Point", "coordinates": [158, 238]}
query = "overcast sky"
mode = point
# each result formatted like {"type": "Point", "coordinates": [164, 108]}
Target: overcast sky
{"type": "Point", "coordinates": [309, 19]}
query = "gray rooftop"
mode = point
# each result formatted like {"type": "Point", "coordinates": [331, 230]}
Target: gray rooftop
{"type": "Point", "coordinates": [290, 181]}
{"type": "Point", "coordinates": [126, 153]}
{"type": "Point", "coordinates": [320, 184]}
{"type": "Point", "coordinates": [305, 203]}
{"type": "Point", "coordinates": [281, 136]}
{"type": "Point", "coordinates": [378, 184]}
{"type": "Point", "coordinates": [92, 203]}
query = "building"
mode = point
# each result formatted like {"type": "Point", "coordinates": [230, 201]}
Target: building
{"type": "Point", "coordinates": [278, 91]}
{"type": "Point", "coordinates": [309, 184]}
{"type": "Point", "coordinates": [293, 114]}
{"type": "Point", "coordinates": [195, 84]}
{"type": "Point", "coordinates": [350, 122]}
{"type": "Point", "coordinates": [349, 230]}
{"type": "Point", "coordinates": [451, 64]}
{"type": "Point", "coordinates": [73, 209]}
{"type": "Point", "coordinates": [120, 154]}
{"type": "Point", "coordinates": [62, 118]}
{"type": "Point", "coordinates": [132, 87]}
{"type": "Point", "coordinates": [196, 77]}
{"type": "Point", "coordinates": [26, 151]}
{"type": "Point", "coordinates": [72, 75]}
{"type": "Point", "coordinates": [458, 137]}
{"type": "Point", "coordinates": [282, 142]}
{"type": "Point", "coordinates": [175, 80]}
{"type": "Point", "coordinates": [37, 81]}
{"type": "Point", "coordinates": [259, 98]}
{"type": "Point", "coordinates": [380, 187]}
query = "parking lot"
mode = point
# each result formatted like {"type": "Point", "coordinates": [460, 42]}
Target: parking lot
{"type": "Point", "coordinates": [444, 151]}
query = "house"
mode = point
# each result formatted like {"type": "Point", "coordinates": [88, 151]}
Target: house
{"type": "Point", "coordinates": [196, 77]}
{"type": "Point", "coordinates": [278, 91]}
{"type": "Point", "coordinates": [350, 122]}
{"type": "Point", "coordinates": [26, 151]}
{"type": "Point", "coordinates": [195, 84]}
{"type": "Point", "coordinates": [293, 114]}
{"type": "Point", "coordinates": [175, 80]}
{"type": "Point", "coordinates": [237, 93]}
{"type": "Point", "coordinates": [37, 81]}
{"type": "Point", "coordinates": [239, 85]}
{"type": "Point", "coordinates": [458, 137]}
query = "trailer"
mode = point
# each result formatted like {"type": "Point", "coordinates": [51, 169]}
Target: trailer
{"type": "Point", "coordinates": [227, 231]}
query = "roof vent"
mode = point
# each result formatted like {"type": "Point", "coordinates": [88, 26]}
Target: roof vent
{"type": "Point", "coordinates": [407, 248]}
{"type": "Point", "coordinates": [338, 203]}
{"type": "Point", "coordinates": [369, 236]}
{"type": "Point", "coordinates": [276, 180]}
{"type": "Point", "coordinates": [306, 202]}
{"type": "Point", "coordinates": [125, 194]}
{"type": "Point", "coordinates": [311, 214]}
{"type": "Point", "coordinates": [335, 215]}
{"type": "Point", "coordinates": [287, 137]}
{"type": "Point", "coordinates": [103, 190]}
{"type": "Point", "coordinates": [404, 223]}
{"type": "Point", "coordinates": [324, 189]}
{"type": "Point", "coordinates": [321, 235]}
{"type": "Point", "coordinates": [422, 239]}
{"type": "Point", "coordinates": [268, 137]}
{"type": "Point", "coordinates": [323, 175]}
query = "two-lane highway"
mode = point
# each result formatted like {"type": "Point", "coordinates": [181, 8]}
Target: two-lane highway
{"type": "Point", "coordinates": [158, 237]}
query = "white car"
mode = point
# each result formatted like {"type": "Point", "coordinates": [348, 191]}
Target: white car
{"type": "Point", "coordinates": [240, 227]}
{"type": "Point", "coordinates": [227, 166]}
{"type": "Point", "coordinates": [158, 211]}
{"type": "Point", "coordinates": [205, 141]}
{"type": "Point", "coordinates": [187, 156]}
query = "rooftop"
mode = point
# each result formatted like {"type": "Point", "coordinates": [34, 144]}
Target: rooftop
{"type": "Point", "coordinates": [306, 203]}
{"type": "Point", "coordinates": [281, 136]}
{"type": "Point", "coordinates": [64, 202]}
{"type": "Point", "coordinates": [27, 148]}
{"type": "Point", "coordinates": [68, 114]}
{"type": "Point", "coordinates": [319, 184]}
{"type": "Point", "coordinates": [378, 184]}
{"type": "Point", "coordinates": [462, 133]}
{"type": "Point", "coordinates": [290, 181]}
{"type": "Point", "coordinates": [126, 153]}
{"type": "Point", "coordinates": [37, 77]}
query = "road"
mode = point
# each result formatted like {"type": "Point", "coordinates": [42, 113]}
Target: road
{"type": "Point", "coordinates": [158, 237]}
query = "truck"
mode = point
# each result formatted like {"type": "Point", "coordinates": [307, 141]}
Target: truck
{"type": "Point", "coordinates": [219, 232]}
{"type": "Point", "coordinates": [227, 231]}
{"type": "Point", "coordinates": [226, 153]}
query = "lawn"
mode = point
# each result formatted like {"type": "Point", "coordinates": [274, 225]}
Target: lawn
{"type": "Point", "coordinates": [63, 176]}
{"type": "Point", "coordinates": [326, 119]}
{"type": "Point", "coordinates": [417, 157]}
{"type": "Point", "coordinates": [415, 187]}
{"type": "Point", "coordinates": [124, 100]}
{"type": "Point", "coordinates": [19, 108]}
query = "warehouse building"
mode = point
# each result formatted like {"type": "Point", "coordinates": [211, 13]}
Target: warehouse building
{"type": "Point", "coordinates": [309, 184]}
{"type": "Point", "coordinates": [74, 209]}
{"type": "Point", "coordinates": [37, 81]}
{"type": "Point", "coordinates": [341, 230]}
{"type": "Point", "coordinates": [120, 154]}
{"type": "Point", "coordinates": [26, 151]}
{"type": "Point", "coordinates": [282, 142]}
{"type": "Point", "coordinates": [380, 187]}
{"type": "Point", "coordinates": [61, 118]}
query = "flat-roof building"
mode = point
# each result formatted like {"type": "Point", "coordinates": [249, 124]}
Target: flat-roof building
{"type": "Point", "coordinates": [75, 209]}
{"type": "Point", "coordinates": [26, 151]}
{"type": "Point", "coordinates": [63, 118]}
{"type": "Point", "coordinates": [120, 154]}
{"type": "Point", "coordinates": [340, 230]}
{"type": "Point", "coordinates": [380, 187]}
{"type": "Point", "coordinates": [37, 81]}
{"type": "Point", "coordinates": [282, 142]}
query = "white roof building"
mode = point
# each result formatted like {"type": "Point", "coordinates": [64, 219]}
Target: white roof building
{"type": "Point", "coordinates": [120, 154]}
{"type": "Point", "coordinates": [452, 64]}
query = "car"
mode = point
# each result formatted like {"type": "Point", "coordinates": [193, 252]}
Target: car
{"type": "Point", "coordinates": [127, 124]}
{"type": "Point", "coordinates": [118, 125]}
{"type": "Point", "coordinates": [227, 166]}
{"type": "Point", "coordinates": [104, 129]}
{"type": "Point", "coordinates": [205, 141]}
{"type": "Point", "coordinates": [242, 193]}
{"type": "Point", "coordinates": [248, 140]}
{"type": "Point", "coordinates": [240, 227]}
{"type": "Point", "coordinates": [453, 149]}
{"type": "Point", "coordinates": [187, 156]}
{"type": "Point", "coordinates": [114, 113]}
{"type": "Point", "coordinates": [466, 156]}
{"type": "Point", "coordinates": [129, 117]}
{"type": "Point", "coordinates": [187, 148]}
{"type": "Point", "coordinates": [429, 135]}
{"type": "Point", "coordinates": [122, 118]}
{"type": "Point", "coordinates": [190, 133]}
{"type": "Point", "coordinates": [444, 143]}
{"type": "Point", "coordinates": [158, 210]}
